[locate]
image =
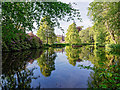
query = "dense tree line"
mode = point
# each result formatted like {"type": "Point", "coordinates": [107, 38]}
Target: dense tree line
{"type": "Point", "coordinates": [106, 26]}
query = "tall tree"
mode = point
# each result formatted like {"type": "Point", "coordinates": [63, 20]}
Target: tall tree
{"type": "Point", "coordinates": [18, 17]}
{"type": "Point", "coordinates": [46, 31]}
{"type": "Point", "coordinates": [72, 35]}
{"type": "Point", "coordinates": [101, 36]}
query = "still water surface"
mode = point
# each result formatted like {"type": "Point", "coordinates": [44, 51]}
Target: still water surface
{"type": "Point", "coordinates": [52, 68]}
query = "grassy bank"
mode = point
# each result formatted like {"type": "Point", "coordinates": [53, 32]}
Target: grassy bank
{"type": "Point", "coordinates": [83, 44]}
{"type": "Point", "coordinates": [58, 45]}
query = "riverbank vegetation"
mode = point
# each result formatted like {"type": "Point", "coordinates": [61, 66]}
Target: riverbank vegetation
{"type": "Point", "coordinates": [105, 31]}
{"type": "Point", "coordinates": [105, 65]}
{"type": "Point", "coordinates": [72, 35]}
{"type": "Point", "coordinates": [16, 21]}
{"type": "Point", "coordinates": [105, 16]}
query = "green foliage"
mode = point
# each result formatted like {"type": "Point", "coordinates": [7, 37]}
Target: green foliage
{"type": "Point", "coordinates": [22, 42]}
{"type": "Point", "coordinates": [106, 69]}
{"type": "Point", "coordinates": [46, 31]}
{"type": "Point", "coordinates": [72, 35]}
{"type": "Point", "coordinates": [26, 12]}
{"type": "Point", "coordinates": [105, 16]}
{"type": "Point", "coordinates": [35, 42]}
{"type": "Point", "coordinates": [101, 36]}
{"type": "Point", "coordinates": [73, 54]}
{"type": "Point", "coordinates": [15, 74]}
{"type": "Point", "coordinates": [113, 48]}
{"type": "Point", "coordinates": [46, 62]}
{"type": "Point", "coordinates": [21, 19]}
{"type": "Point", "coordinates": [59, 39]}
{"type": "Point", "coordinates": [104, 78]}
{"type": "Point", "coordinates": [86, 36]}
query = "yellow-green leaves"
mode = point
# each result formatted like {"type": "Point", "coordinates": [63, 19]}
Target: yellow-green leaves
{"type": "Point", "coordinates": [72, 35]}
{"type": "Point", "coordinates": [46, 31]}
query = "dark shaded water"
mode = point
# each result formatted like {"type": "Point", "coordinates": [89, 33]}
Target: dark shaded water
{"type": "Point", "coordinates": [54, 67]}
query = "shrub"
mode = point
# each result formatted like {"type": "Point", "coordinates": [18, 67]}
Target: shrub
{"type": "Point", "coordinates": [22, 42]}
{"type": "Point", "coordinates": [113, 48]}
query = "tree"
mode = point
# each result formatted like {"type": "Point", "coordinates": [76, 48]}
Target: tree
{"type": "Point", "coordinates": [18, 17]}
{"type": "Point", "coordinates": [72, 35]}
{"type": "Point", "coordinates": [101, 36]}
{"type": "Point", "coordinates": [46, 31]}
{"type": "Point", "coordinates": [108, 14]}
{"type": "Point", "coordinates": [21, 19]}
{"type": "Point", "coordinates": [86, 36]}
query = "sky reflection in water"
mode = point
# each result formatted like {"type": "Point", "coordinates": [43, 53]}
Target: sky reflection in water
{"type": "Point", "coordinates": [65, 75]}
{"type": "Point", "coordinates": [53, 68]}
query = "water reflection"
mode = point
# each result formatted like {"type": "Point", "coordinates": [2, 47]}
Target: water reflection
{"type": "Point", "coordinates": [46, 62]}
{"type": "Point", "coordinates": [106, 68]}
{"type": "Point", "coordinates": [73, 55]}
{"type": "Point", "coordinates": [58, 67]}
{"type": "Point", "coordinates": [14, 72]}
{"type": "Point", "coordinates": [79, 54]}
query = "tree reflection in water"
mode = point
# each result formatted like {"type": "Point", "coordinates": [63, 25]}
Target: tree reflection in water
{"type": "Point", "coordinates": [14, 71]}
{"type": "Point", "coordinates": [46, 62]}
{"type": "Point", "coordinates": [105, 72]}
{"type": "Point", "coordinates": [106, 69]}
{"type": "Point", "coordinates": [73, 54]}
{"type": "Point", "coordinates": [78, 54]}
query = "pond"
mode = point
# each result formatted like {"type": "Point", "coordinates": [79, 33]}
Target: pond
{"type": "Point", "coordinates": [55, 67]}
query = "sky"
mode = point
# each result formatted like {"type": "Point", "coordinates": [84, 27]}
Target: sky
{"type": "Point", "coordinates": [86, 22]}
{"type": "Point", "coordinates": [82, 5]}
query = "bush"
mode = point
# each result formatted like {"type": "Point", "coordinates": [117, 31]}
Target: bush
{"type": "Point", "coordinates": [113, 48]}
{"type": "Point", "coordinates": [22, 42]}
{"type": "Point", "coordinates": [35, 42]}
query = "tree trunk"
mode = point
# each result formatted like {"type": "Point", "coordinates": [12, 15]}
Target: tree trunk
{"type": "Point", "coordinates": [110, 32]}
{"type": "Point", "coordinates": [47, 40]}
{"type": "Point", "coordinates": [111, 61]}
{"type": "Point", "coordinates": [47, 35]}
